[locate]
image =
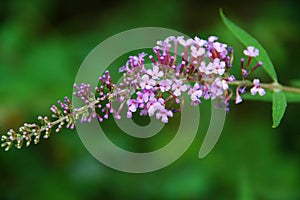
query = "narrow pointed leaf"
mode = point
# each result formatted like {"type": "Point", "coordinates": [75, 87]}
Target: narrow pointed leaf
{"type": "Point", "coordinates": [278, 108]}
{"type": "Point", "coordinates": [248, 40]}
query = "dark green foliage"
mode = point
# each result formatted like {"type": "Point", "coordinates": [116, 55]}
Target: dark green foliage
{"type": "Point", "coordinates": [43, 44]}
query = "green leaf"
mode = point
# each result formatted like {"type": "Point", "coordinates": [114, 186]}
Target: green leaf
{"type": "Point", "coordinates": [278, 108]}
{"type": "Point", "coordinates": [248, 40]}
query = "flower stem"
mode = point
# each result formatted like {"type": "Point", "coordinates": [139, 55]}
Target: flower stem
{"type": "Point", "coordinates": [75, 112]}
{"type": "Point", "coordinates": [291, 89]}
{"type": "Point", "coordinates": [269, 86]}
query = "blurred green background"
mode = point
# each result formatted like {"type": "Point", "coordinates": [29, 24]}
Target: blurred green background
{"type": "Point", "coordinates": [43, 44]}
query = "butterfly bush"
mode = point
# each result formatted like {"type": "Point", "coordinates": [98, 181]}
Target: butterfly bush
{"type": "Point", "coordinates": [196, 67]}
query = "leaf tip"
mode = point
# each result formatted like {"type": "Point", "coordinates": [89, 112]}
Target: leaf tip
{"type": "Point", "coordinates": [221, 12]}
{"type": "Point", "coordinates": [278, 107]}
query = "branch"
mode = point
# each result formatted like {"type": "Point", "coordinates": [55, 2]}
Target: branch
{"type": "Point", "coordinates": [269, 86]}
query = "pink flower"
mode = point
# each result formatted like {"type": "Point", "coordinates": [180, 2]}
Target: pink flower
{"type": "Point", "coordinates": [231, 78]}
{"type": "Point", "coordinates": [238, 98]}
{"type": "Point", "coordinates": [206, 91]}
{"type": "Point", "coordinates": [146, 82]}
{"type": "Point", "coordinates": [251, 51]}
{"type": "Point", "coordinates": [225, 85]}
{"type": "Point", "coordinates": [129, 114]}
{"type": "Point", "coordinates": [195, 92]}
{"type": "Point", "coordinates": [179, 87]}
{"type": "Point", "coordinates": [140, 97]}
{"type": "Point", "coordinates": [218, 87]}
{"type": "Point", "coordinates": [132, 105]}
{"type": "Point", "coordinates": [197, 52]}
{"type": "Point", "coordinates": [219, 66]}
{"type": "Point", "coordinates": [137, 60]}
{"type": "Point", "coordinates": [212, 38]}
{"type": "Point", "coordinates": [220, 47]}
{"type": "Point", "coordinates": [184, 42]}
{"type": "Point", "coordinates": [148, 94]}
{"type": "Point", "coordinates": [207, 69]}
{"type": "Point", "coordinates": [164, 114]}
{"type": "Point", "coordinates": [153, 105]}
{"type": "Point", "coordinates": [155, 73]}
{"type": "Point", "coordinates": [199, 42]}
{"type": "Point", "coordinates": [170, 38]}
{"type": "Point", "coordinates": [165, 44]}
{"type": "Point", "coordinates": [165, 85]}
{"type": "Point", "coordinates": [257, 88]}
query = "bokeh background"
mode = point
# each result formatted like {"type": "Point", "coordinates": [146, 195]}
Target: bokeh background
{"type": "Point", "coordinates": [43, 44]}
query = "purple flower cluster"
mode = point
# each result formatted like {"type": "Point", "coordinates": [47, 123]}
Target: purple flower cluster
{"type": "Point", "coordinates": [201, 69]}
{"type": "Point", "coordinates": [196, 67]}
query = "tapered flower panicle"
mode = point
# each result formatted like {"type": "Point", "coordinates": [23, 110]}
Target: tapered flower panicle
{"type": "Point", "coordinates": [201, 70]}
